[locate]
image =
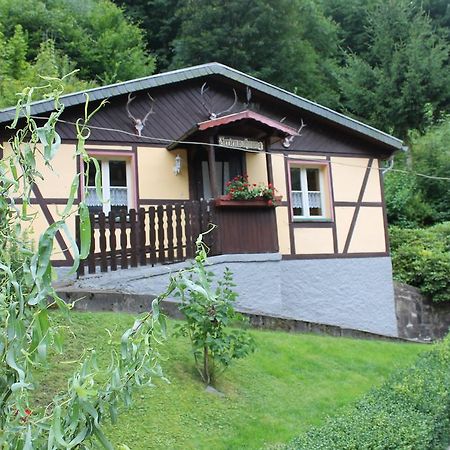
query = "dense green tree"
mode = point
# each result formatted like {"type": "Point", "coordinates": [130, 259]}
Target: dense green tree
{"type": "Point", "coordinates": [288, 43]}
{"type": "Point", "coordinates": [16, 72]}
{"type": "Point", "coordinates": [401, 81]}
{"type": "Point", "coordinates": [414, 200]}
{"type": "Point", "coordinates": [439, 12]}
{"type": "Point", "coordinates": [431, 155]}
{"type": "Point", "coordinates": [94, 34]}
{"type": "Point", "coordinates": [159, 21]}
{"type": "Point", "coordinates": [352, 19]}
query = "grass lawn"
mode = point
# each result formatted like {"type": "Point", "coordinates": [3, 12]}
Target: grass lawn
{"type": "Point", "coordinates": [292, 381]}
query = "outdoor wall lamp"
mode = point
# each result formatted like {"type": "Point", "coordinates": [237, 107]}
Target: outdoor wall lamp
{"type": "Point", "coordinates": [177, 165]}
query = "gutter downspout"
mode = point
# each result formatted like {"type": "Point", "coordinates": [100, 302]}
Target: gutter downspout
{"type": "Point", "coordinates": [390, 164]}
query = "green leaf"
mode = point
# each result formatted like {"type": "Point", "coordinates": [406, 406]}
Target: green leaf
{"type": "Point", "coordinates": [72, 194]}
{"type": "Point", "coordinates": [102, 439]}
{"type": "Point", "coordinates": [85, 231]}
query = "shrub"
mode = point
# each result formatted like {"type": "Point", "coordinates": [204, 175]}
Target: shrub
{"type": "Point", "coordinates": [410, 411]}
{"type": "Point", "coordinates": [421, 257]}
{"type": "Point", "coordinates": [209, 312]}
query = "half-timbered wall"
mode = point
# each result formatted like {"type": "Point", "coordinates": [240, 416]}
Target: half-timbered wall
{"type": "Point", "coordinates": [354, 199]}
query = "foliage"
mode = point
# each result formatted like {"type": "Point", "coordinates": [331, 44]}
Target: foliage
{"type": "Point", "coordinates": [92, 35]}
{"type": "Point", "coordinates": [405, 201]}
{"type": "Point", "coordinates": [160, 22]}
{"type": "Point", "coordinates": [421, 257]}
{"type": "Point", "coordinates": [414, 200]}
{"type": "Point", "coordinates": [75, 416]}
{"type": "Point", "coordinates": [209, 313]}
{"type": "Point", "coordinates": [431, 155]}
{"type": "Point", "coordinates": [410, 411]}
{"type": "Point", "coordinates": [16, 71]}
{"type": "Point", "coordinates": [291, 382]}
{"type": "Point", "coordinates": [400, 81]}
{"type": "Point", "coordinates": [297, 54]}
{"type": "Point", "coordinates": [239, 188]}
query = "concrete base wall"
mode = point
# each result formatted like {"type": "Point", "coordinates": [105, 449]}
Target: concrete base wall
{"type": "Point", "coordinates": [355, 293]}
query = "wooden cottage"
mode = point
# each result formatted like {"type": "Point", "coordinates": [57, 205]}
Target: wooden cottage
{"type": "Point", "coordinates": [168, 144]}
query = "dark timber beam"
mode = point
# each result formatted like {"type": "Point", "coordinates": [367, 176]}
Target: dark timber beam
{"type": "Point", "coordinates": [268, 162]}
{"type": "Point", "coordinates": [212, 167]}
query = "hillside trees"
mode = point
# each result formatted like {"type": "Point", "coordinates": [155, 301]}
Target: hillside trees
{"type": "Point", "coordinates": [257, 38]}
{"type": "Point", "coordinates": [16, 71]}
{"type": "Point", "coordinates": [91, 35]}
{"type": "Point", "coordinates": [400, 81]}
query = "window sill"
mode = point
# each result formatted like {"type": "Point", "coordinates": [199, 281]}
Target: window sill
{"type": "Point", "coordinates": [312, 223]}
{"type": "Point", "coordinates": [310, 219]}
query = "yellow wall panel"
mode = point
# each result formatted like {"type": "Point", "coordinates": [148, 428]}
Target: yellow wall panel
{"type": "Point", "coordinates": [368, 235]}
{"type": "Point", "coordinates": [256, 167]}
{"type": "Point", "coordinates": [373, 188]}
{"type": "Point", "coordinates": [348, 175]}
{"type": "Point", "coordinates": [313, 240]}
{"type": "Point", "coordinates": [57, 182]}
{"type": "Point", "coordinates": [343, 219]}
{"type": "Point", "coordinates": [156, 177]}
{"type": "Point", "coordinates": [284, 242]}
{"type": "Point", "coordinates": [279, 175]}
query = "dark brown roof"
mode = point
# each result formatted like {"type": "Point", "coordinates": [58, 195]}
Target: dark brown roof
{"type": "Point", "coordinates": [212, 69]}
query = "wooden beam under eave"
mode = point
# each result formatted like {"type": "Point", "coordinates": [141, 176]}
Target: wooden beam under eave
{"type": "Point", "coordinates": [268, 162]}
{"type": "Point", "coordinates": [212, 167]}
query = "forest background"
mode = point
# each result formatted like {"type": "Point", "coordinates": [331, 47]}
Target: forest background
{"type": "Point", "coordinates": [385, 62]}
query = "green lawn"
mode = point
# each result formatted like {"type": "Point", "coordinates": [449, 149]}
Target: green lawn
{"type": "Point", "coordinates": [292, 381]}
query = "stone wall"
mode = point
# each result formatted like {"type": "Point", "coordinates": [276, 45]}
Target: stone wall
{"type": "Point", "coordinates": [349, 293]}
{"type": "Point", "coordinates": [418, 317]}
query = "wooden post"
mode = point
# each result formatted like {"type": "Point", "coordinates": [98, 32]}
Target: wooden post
{"type": "Point", "coordinates": [212, 167]}
{"type": "Point", "coordinates": [123, 240]}
{"type": "Point", "coordinates": [142, 237]}
{"type": "Point", "coordinates": [133, 238]}
{"type": "Point", "coordinates": [152, 234]}
{"type": "Point", "coordinates": [268, 161]}
{"type": "Point", "coordinates": [112, 240]}
{"type": "Point", "coordinates": [91, 257]}
{"type": "Point", "coordinates": [102, 242]}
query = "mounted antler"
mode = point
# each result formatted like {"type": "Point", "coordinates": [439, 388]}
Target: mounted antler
{"type": "Point", "coordinates": [248, 95]}
{"type": "Point", "coordinates": [289, 139]}
{"type": "Point", "coordinates": [211, 114]}
{"type": "Point", "coordinates": [139, 123]}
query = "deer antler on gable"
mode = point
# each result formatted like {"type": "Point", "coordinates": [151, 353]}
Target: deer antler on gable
{"type": "Point", "coordinates": [139, 123]}
{"type": "Point", "coordinates": [211, 113]}
{"type": "Point", "coordinates": [289, 139]}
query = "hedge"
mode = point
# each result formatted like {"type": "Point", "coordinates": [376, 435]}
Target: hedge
{"type": "Point", "coordinates": [421, 258]}
{"type": "Point", "coordinates": [410, 411]}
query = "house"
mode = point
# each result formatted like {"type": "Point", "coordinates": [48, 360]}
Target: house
{"type": "Point", "coordinates": [167, 141]}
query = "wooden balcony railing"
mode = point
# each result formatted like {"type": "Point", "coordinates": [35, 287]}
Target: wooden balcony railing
{"type": "Point", "coordinates": [164, 234]}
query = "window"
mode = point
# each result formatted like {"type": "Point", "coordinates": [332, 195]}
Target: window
{"type": "Point", "coordinates": [222, 174]}
{"type": "Point", "coordinates": [308, 192]}
{"type": "Point", "coordinates": [115, 176]}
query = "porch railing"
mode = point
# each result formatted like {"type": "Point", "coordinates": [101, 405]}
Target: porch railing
{"type": "Point", "coordinates": [166, 233]}
{"type": "Point", "coordinates": [159, 234]}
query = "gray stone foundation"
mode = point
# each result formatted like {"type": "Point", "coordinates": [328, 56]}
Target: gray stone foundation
{"type": "Point", "coordinates": [418, 317]}
{"type": "Point", "coordinates": [350, 293]}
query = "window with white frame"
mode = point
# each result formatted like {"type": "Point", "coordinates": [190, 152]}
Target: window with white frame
{"type": "Point", "coordinates": [307, 192]}
{"type": "Point", "coordinates": [116, 189]}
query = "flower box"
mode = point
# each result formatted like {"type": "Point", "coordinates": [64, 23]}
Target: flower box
{"type": "Point", "coordinates": [258, 202]}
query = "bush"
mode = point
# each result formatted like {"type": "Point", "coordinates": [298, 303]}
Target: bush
{"type": "Point", "coordinates": [421, 258]}
{"type": "Point", "coordinates": [410, 411]}
{"type": "Point", "coordinates": [209, 314]}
